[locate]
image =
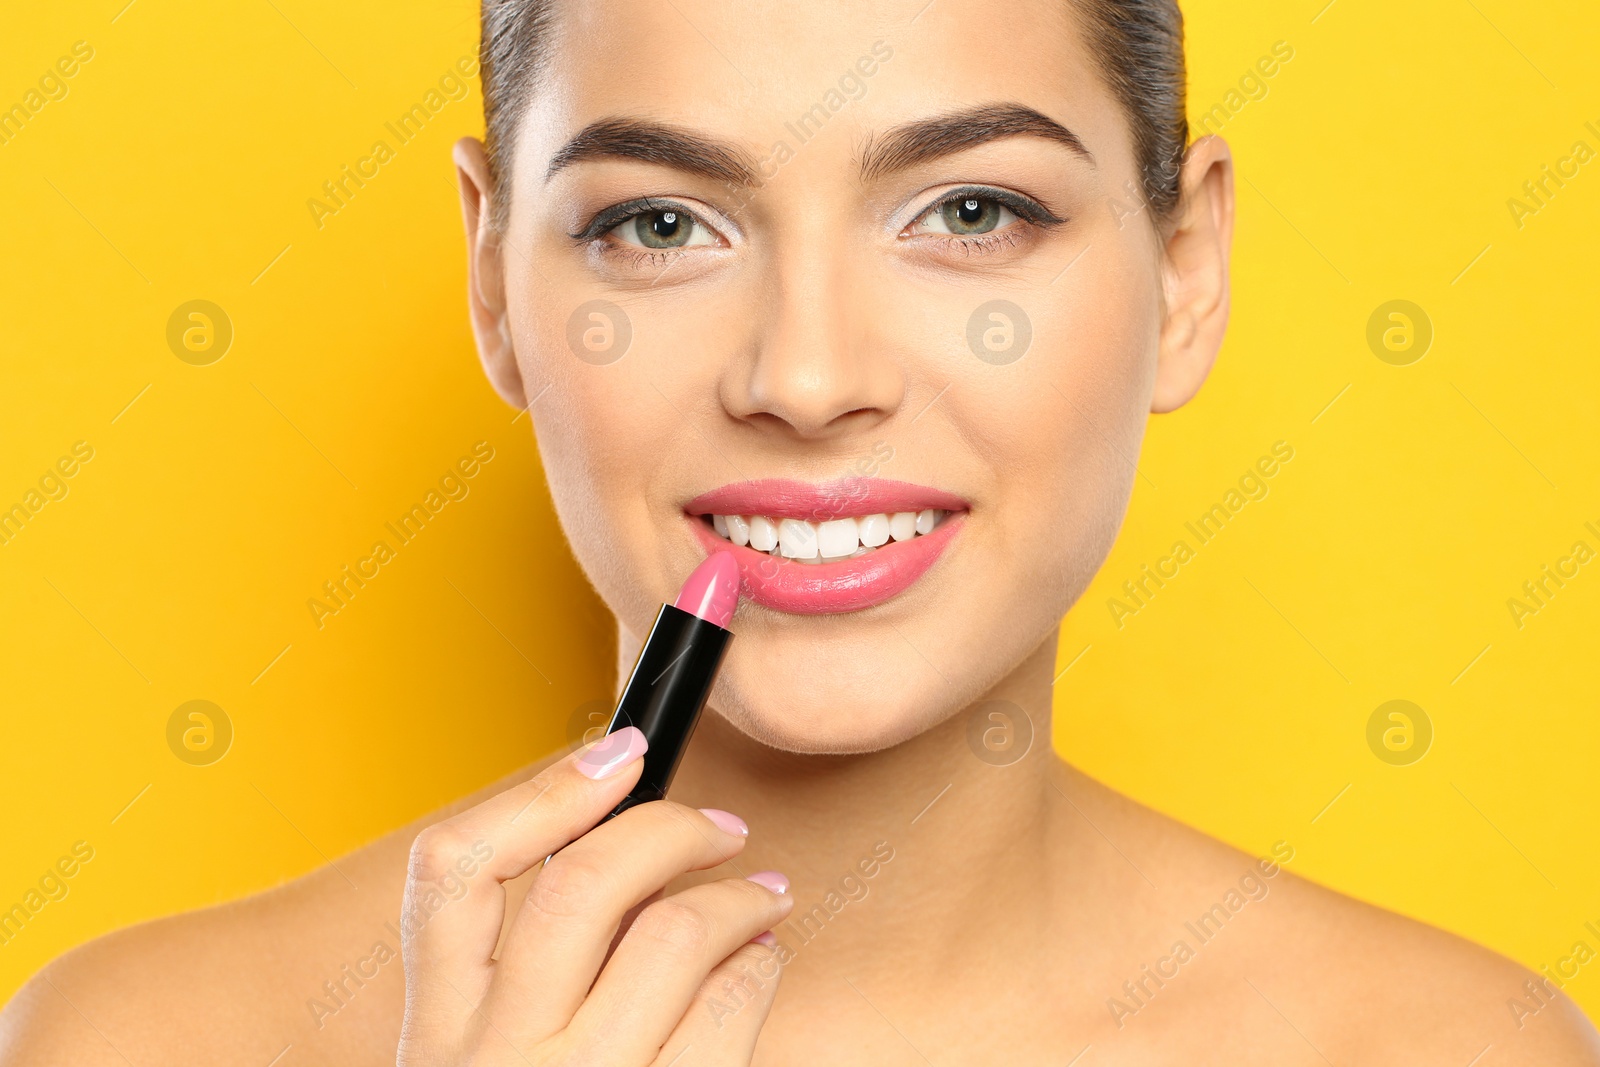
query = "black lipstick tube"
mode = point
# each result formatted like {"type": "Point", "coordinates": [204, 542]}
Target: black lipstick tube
{"type": "Point", "coordinates": [666, 693]}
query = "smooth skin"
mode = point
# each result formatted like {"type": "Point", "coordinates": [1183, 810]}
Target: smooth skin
{"type": "Point", "coordinates": [1008, 908]}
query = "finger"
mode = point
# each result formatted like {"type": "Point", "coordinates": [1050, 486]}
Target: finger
{"type": "Point", "coordinates": [627, 920]}
{"type": "Point", "coordinates": [454, 906]}
{"type": "Point", "coordinates": [666, 955]}
{"type": "Point", "coordinates": [724, 1020]}
{"type": "Point", "coordinates": [561, 936]}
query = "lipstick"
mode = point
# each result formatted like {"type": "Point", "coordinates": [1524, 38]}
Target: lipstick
{"type": "Point", "coordinates": [673, 676]}
{"type": "Point", "coordinates": [854, 583]}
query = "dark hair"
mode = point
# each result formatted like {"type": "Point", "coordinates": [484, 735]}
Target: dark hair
{"type": "Point", "coordinates": [1138, 45]}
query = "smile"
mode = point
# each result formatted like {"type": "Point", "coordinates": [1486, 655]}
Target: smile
{"type": "Point", "coordinates": [826, 542]}
{"type": "Point", "coordinates": [814, 549]}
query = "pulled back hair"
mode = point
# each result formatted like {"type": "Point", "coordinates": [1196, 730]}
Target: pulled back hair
{"type": "Point", "coordinates": [1137, 44]}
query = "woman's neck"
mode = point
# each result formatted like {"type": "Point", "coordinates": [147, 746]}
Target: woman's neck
{"type": "Point", "coordinates": [903, 844]}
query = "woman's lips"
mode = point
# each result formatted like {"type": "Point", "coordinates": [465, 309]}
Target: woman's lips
{"type": "Point", "coordinates": [784, 498]}
{"type": "Point", "coordinates": [826, 588]}
{"type": "Point", "coordinates": [813, 588]}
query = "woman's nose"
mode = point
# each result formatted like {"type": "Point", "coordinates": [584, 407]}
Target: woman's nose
{"type": "Point", "coordinates": [814, 366]}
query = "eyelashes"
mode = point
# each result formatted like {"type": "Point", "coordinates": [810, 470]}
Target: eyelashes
{"type": "Point", "coordinates": [617, 214]}
{"type": "Point", "coordinates": [975, 197]}
{"type": "Point", "coordinates": [647, 233]}
{"type": "Point", "coordinates": [979, 220]}
{"type": "Point", "coordinates": [973, 219]}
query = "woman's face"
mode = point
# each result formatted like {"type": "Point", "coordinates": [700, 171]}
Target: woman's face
{"type": "Point", "coordinates": [822, 263]}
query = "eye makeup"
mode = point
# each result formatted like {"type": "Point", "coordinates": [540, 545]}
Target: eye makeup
{"type": "Point", "coordinates": [610, 218]}
{"type": "Point", "coordinates": [1025, 208]}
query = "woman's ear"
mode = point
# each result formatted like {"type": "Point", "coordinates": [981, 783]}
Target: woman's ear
{"type": "Point", "coordinates": [1195, 275]}
{"type": "Point", "coordinates": [486, 294]}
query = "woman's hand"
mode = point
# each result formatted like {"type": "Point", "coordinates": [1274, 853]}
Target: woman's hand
{"type": "Point", "coordinates": [685, 979]}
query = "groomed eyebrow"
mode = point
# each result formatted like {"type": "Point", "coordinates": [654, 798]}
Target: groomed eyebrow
{"type": "Point", "coordinates": [657, 142]}
{"type": "Point", "coordinates": [925, 139]}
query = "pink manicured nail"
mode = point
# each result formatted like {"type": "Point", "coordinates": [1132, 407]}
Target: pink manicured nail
{"type": "Point", "coordinates": [766, 938]}
{"type": "Point", "coordinates": [613, 752]}
{"type": "Point", "coordinates": [773, 880]}
{"type": "Point", "coordinates": [726, 821]}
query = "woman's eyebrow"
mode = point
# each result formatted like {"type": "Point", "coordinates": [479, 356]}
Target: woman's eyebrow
{"type": "Point", "coordinates": [917, 142]}
{"type": "Point", "coordinates": [903, 146]}
{"type": "Point", "coordinates": [656, 142]}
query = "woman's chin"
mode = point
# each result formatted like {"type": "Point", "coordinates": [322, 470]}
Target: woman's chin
{"type": "Point", "coordinates": [824, 719]}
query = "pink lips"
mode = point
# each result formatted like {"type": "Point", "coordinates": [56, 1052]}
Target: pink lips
{"type": "Point", "coordinates": [782, 498]}
{"type": "Point", "coordinates": [827, 588]}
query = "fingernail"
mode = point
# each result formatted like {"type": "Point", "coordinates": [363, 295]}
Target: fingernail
{"type": "Point", "coordinates": [613, 752]}
{"type": "Point", "coordinates": [773, 880]}
{"type": "Point", "coordinates": [726, 821]}
{"type": "Point", "coordinates": [766, 938]}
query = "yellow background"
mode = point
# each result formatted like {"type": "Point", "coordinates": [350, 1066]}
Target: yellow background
{"type": "Point", "coordinates": [1377, 167]}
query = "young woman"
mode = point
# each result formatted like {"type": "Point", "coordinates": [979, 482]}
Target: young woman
{"type": "Point", "coordinates": [746, 262]}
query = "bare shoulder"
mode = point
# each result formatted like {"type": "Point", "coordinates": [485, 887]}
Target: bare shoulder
{"type": "Point", "coordinates": [228, 984]}
{"type": "Point", "coordinates": [1417, 994]}
{"type": "Point", "coordinates": [1313, 967]}
{"type": "Point", "coordinates": [312, 967]}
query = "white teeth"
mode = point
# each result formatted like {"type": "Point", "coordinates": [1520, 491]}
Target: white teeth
{"type": "Point", "coordinates": [825, 542]}
{"type": "Point", "coordinates": [797, 539]}
{"type": "Point", "coordinates": [763, 534]}
{"type": "Point", "coordinates": [873, 530]}
{"type": "Point", "coordinates": [837, 538]}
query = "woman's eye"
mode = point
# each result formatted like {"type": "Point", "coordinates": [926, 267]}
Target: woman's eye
{"type": "Point", "coordinates": [965, 216]}
{"type": "Point", "coordinates": [667, 228]}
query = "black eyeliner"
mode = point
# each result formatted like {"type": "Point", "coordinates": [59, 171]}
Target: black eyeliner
{"type": "Point", "coordinates": [1022, 206]}
{"type": "Point", "coordinates": [617, 214]}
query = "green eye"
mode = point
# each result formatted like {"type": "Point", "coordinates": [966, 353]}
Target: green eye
{"type": "Point", "coordinates": [665, 228]}
{"type": "Point", "coordinates": [965, 215]}
{"type": "Point", "coordinates": [971, 215]}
